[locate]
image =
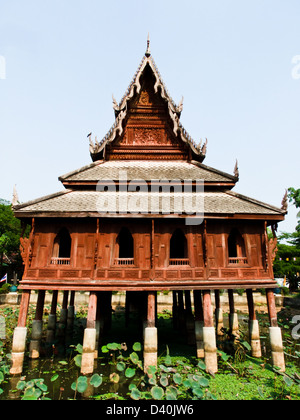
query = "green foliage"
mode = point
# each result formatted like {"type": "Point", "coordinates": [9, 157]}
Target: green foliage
{"type": "Point", "coordinates": [287, 261]}
{"type": "Point", "coordinates": [4, 289]}
{"type": "Point", "coordinates": [35, 389]}
{"type": "Point", "coordinates": [10, 232]}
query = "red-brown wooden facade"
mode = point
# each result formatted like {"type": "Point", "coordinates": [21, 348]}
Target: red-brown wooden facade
{"type": "Point", "coordinates": [76, 244]}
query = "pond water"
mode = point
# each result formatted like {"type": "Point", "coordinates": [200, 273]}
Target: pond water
{"type": "Point", "coordinates": [57, 367]}
{"type": "Point", "coordinates": [59, 371]}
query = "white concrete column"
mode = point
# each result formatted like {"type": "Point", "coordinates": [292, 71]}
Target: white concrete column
{"type": "Point", "coordinates": [199, 338]}
{"type": "Point", "coordinates": [36, 336]}
{"type": "Point", "coordinates": [150, 347]}
{"type": "Point", "coordinates": [88, 353]}
{"type": "Point", "coordinates": [18, 350]}
{"type": "Point", "coordinates": [277, 348]}
{"type": "Point", "coordinates": [210, 349]}
{"type": "Point", "coordinates": [219, 321]}
{"type": "Point", "coordinates": [51, 328]}
{"type": "Point", "coordinates": [234, 324]}
{"type": "Point", "coordinates": [254, 337]}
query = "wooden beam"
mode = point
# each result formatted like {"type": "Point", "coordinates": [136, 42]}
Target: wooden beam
{"type": "Point", "coordinates": [198, 306]}
{"type": "Point", "coordinates": [207, 309]}
{"type": "Point", "coordinates": [231, 301]}
{"type": "Point", "coordinates": [24, 308]}
{"type": "Point", "coordinates": [272, 308]}
{"type": "Point", "coordinates": [251, 308]}
{"type": "Point", "coordinates": [92, 311]}
{"type": "Point", "coordinates": [40, 305]}
{"type": "Point", "coordinates": [151, 309]}
{"type": "Point", "coordinates": [54, 302]}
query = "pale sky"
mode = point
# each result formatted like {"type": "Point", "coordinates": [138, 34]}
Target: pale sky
{"type": "Point", "coordinates": [237, 64]}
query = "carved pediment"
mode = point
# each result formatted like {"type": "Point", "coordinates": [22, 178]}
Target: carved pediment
{"type": "Point", "coordinates": [147, 117]}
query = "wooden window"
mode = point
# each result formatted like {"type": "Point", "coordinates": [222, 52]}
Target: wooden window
{"type": "Point", "coordinates": [125, 248]}
{"type": "Point", "coordinates": [178, 249]}
{"type": "Point", "coordinates": [236, 248]}
{"type": "Point", "coordinates": [62, 248]}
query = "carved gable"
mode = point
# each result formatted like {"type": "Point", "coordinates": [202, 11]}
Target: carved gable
{"type": "Point", "coordinates": [147, 131]}
{"type": "Point", "coordinates": [147, 123]}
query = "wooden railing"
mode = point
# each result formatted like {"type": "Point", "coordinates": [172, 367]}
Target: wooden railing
{"type": "Point", "coordinates": [179, 261]}
{"type": "Point", "coordinates": [124, 261]}
{"type": "Point", "coordinates": [238, 260]}
{"type": "Point", "coordinates": [60, 261]}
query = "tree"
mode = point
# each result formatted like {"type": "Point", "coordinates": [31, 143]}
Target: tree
{"type": "Point", "coordinates": [294, 197]}
{"type": "Point", "coordinates": [287, 261]}
{"type": "Point", "coordinates": [10, 232]}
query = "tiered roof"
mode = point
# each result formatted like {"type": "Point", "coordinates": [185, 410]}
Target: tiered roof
{"type": "Point", "coordinates": [162, 163]}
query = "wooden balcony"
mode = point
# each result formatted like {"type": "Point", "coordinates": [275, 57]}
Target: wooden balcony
{"type": "Point", "coordinates": [238, 260]}
{"type": "Point", "coordinates": [124, 261]}
{"type": "Point", "coordinates": [60, 261]}
{"type": "Point", "coordinates": [179, 261]}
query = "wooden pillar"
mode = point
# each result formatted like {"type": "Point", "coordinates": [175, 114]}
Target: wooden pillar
{"type": "Point", "coordinates": [272, 308]}
{"type": "Point", "coordinates": [233, 316]}
{"type": "Point", "coordinates": [218, 314]}
{"type": "Point", "coordinates": [37, 327]}
{"type": "Point", "coordinates": [275, 333]}
{"type": "Point", "coordinates": [189, 318]}
{"type": "Point", "coordinates": [254, 336]}
{"type": "Point", "coordinates": [19, 338]}
{"type": "Point", "coordinates": [99, 323]}
{"type": "Point", "coordinates": [150, 333]}
{"type": "Point", "coordinates": [52, 318]}
{"type": "Point", "coordinates": [127, 309]}
{"type": "Point", "coordinates": [89, 339]}
{"type": "Point", "coordinates": [209, 334]}
{"type": "Point", "coordinates": [151, 312]}
{"type": "Point", "coordinates": [181, 312]}
{"type": "Point", "coordinates": [71, 311]}
{"type": "Point", "coordinates": [199, 323]}
{"type": "Point", "coordinates": [175, 310]}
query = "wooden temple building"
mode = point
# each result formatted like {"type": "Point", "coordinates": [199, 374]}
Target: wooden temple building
{"type": "Point", "coordinates": [147, 215]}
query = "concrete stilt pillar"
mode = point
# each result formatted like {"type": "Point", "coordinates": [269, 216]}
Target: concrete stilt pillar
{"type": "Point", "coordinates": [89, 339]}
{"type": "Point", "coordinates": [275, 333]}
{"type": "Point", "coordinates": [254, 335]}
{"type": "Point", "coordinates": [233, 316]}
{"type": "Point", "coordinates": [19, 337]}
{"type": "Point", "coordinates": [62, 324]}
{"type": "Point", "coordinates": [150, 334]}
{"type": "Point", "coordinates": [37, 327]}
{"type": "Point", "coordinates": [52, 318]}
{"type": "Point", "coordinates": [199, 323]}
{"type": "Point", "coordinates": [218, 314]}
{"type": "Point", "coordinates": [150, 347]}
{"type": "Point", "coordinates": [209, 335]}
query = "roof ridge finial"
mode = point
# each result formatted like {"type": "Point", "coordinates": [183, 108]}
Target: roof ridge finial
{"type": "Point", "coordinates": [148, 53]}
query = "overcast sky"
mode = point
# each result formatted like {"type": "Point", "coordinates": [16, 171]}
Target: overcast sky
{"type": "Point", "coordinates": [237, 64]}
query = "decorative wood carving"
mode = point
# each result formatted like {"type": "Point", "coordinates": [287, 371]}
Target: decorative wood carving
{"type": "Point", "coordinates": [273, 248]}
{"type": "Point", "coordinates": [24, 246]}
